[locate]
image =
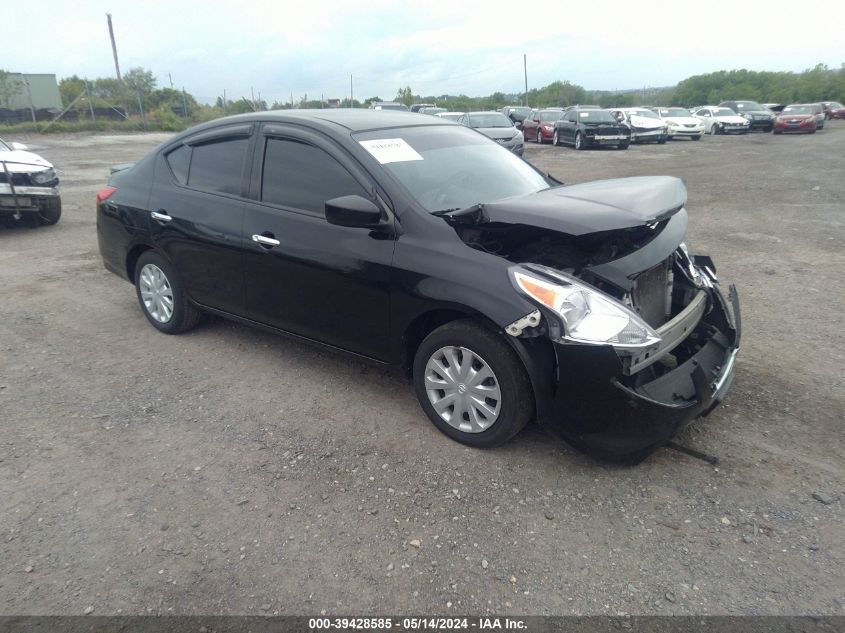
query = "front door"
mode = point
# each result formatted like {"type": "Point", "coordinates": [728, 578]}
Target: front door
{"type": "Point", "coordinates": [303, 275]}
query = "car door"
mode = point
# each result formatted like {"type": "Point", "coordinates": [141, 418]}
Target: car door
{"type": "Point", "coordinates": [568, 125]}
{"type": "Point", "coordinates": [529, 126]}
{"type": "Point", "coordinates": [303, 275]}
{"type": "Point", "coordinates": [196, 206]}
{"type": "Point", "coordinates": [705, 117]}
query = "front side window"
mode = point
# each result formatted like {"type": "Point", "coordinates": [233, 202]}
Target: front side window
{"type": "Point", "coordinates": [218, 166]}
{"type": "Point", "coordinates": [301, 176]}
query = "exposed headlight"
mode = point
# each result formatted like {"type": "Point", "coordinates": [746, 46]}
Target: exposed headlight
{"type": "Point", "coordinates": [588, 316]}
{"type": "Point", "coordinates": [45, 176]}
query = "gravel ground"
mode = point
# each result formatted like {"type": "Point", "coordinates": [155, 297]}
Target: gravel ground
{"type": "Point", "coordinates": [230, 471]}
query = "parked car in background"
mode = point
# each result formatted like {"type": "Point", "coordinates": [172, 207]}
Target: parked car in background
{"type": "Point", "coordinates": [796, 118]}
{"type": "Point", "coordinates": [646, 126]}
{"type": "Point", "coordinates": [388, 105]}
{"type": "Point", "coordinates": [818, 110]}
{"type": "Point", "coordinates": [680, 123]}
{"type": "Point", "coordinates": [583, 128]}
{"type": "Point", "coordinates": [833, 110]}
{"type": "Point", "coordinates": [540, 126]}
{"type": "Point", "coordinates": [759, 117]}
{"type": "Point", "coordinates": [774, 108]}
{"type": "Point", "coordinates": [418, 106]}
{"type": "Point", "coordinates": [29, 187]}
{"type": "Point", "coordinates": [517, 114]}
{"type": "Point", "coordinates": [431, 110]}
{"type": "Point", "coordinates": [451, 116]}
{"type": "Point", "coordinates": [498, 127]}
{"type": "Point", "coordinates": [412, 242]}
{"type": "Point", "coordinates": [721, 120]}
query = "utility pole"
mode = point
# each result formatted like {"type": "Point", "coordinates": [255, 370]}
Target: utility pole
{"type": "Point", "coordinates": [224, 101]}
{"type": "Point", "coordinates": [141, 108]}
{"type": "Point", "coordinates": [351, 97]}
{"type": "Point", "coordinates": [29, 96]}
{"type": "Point", "coordinates": [170, 77]}
{"type": "Point", "coordinates": [90, 103]}
{"type": "Point", "coordinates": [525, 70]}
{"type": "Point", "coordinates": [114, 48]}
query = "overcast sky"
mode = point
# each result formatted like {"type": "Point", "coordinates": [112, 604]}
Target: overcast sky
{"type": "Point", "coordinates": [434, 46]}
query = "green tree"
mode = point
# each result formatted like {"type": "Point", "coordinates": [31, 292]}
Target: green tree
{"type": "Point", "coordinates": [405, 95]}
{"type": "Point", "coordinates": [9, 88]}
{"type": "Point", "coordinates": [70, 88]}
{"type": "Point", "coordinates": [139, 81]}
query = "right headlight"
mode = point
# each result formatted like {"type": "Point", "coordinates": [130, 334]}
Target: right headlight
{"type": "Point", "coordinates": [589, 316]}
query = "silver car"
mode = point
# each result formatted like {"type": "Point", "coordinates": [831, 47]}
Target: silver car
{"type": "Point", "coordinates": [498, 127]}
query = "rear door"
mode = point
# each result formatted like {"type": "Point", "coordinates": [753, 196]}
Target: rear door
{"type": "Point", "coordinates": [197, 207]}
{"type": "Point", "coordinates": [325, 282]}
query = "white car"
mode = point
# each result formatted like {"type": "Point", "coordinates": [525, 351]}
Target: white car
{"type": "Point", "coordinates": [451, 116]}
{"type": "Point", "coordinates": [681, 123]}
{"type": "Point", "coordinates": [29, 187]}
{"type": "Point", "coordinates": [721, 120]}
{"type": "Point", "coordinates": [645, 125]}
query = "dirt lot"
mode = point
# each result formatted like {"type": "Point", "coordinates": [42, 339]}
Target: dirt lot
{"type": "Point", "coordinates": [232, 471]}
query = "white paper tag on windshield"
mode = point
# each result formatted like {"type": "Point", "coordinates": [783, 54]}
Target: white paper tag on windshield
{"type": "Point", "coordinates": [390, 150]}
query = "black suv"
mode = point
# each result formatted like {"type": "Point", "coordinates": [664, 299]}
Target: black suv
{"type": "Point", "coordinates": [407, 240]}
{"type": "Point", "coordinates": [590, 127]}
{"type": "Point", "coordinates": [759, 117]}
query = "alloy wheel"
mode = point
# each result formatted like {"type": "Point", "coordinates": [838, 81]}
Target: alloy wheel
{"type": "Point", "coordinates": [463, 389]}
{"type": "Point", "coordinates": [156, 293]}
{"type": "Point", "coordinates": [539, 137]}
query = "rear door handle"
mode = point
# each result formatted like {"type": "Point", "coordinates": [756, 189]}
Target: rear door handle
{"type": "Point", "coordinates": [160, 217]}
{"type": "Point", "coordinates": [264, 240]}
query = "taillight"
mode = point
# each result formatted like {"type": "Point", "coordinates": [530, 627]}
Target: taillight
{"type": "Point", "coordinates": [104, 194]}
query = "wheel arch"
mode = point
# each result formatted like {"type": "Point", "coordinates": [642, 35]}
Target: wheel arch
{"type": "Point", "coordinates": [133, 256]}
{"type": "Point", "coordinates": [537, 354]}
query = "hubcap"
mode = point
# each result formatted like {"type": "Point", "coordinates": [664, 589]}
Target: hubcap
{"type": "Point", "coordinates": [578, 140]}
{"type": "Point", "coordinates": [156, 293]}
{"type": "Point", "coordinates": [462, 389]}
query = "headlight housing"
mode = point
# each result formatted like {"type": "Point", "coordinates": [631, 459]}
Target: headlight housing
{"type": "Point", "coordinates": [589, 317]}
{"type": "Point", "coordinates": [44, 176]}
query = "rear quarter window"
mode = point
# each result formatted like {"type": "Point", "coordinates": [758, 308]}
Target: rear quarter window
{"type": "Point", "coordinates": [179, 161]}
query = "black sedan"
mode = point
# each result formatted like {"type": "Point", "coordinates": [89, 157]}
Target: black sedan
{"type": "Point", "coordinates": [411, 241]}
{"type": "Point", "coordinates": [590, 127]}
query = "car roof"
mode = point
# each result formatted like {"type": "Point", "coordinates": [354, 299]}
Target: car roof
{"type": "Point", "coordinates": [330, 119]}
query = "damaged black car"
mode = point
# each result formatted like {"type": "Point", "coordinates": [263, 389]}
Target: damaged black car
{"type": "Point", "coordinates": [412, 241]}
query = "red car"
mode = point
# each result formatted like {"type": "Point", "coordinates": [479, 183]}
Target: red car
{"type": "Point", "coordinates": [541, 126]}
{"type": "Point", "coordinates": [796, 118]}
{"type": "Point", "coordinates": [833, 110]}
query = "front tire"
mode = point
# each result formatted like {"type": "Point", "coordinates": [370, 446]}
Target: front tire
{"type": "Point", "coordinates": [579, 141]}
{"type": "Point", "coordinates": [50, 215]}
{"type": "Point", "coordinates": [556, 139]}
{"type": "Point", "coordinates": [162, 296]}
{"type": "Point", "coordinates": [539, 137]}
{"type": "Point", "coordinates": [472, 385]}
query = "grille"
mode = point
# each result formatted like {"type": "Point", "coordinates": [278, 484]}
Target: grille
{"type": "Point", "coordinates": [18, 179]}
{"type": "Point", "coordinates": [649, 294]}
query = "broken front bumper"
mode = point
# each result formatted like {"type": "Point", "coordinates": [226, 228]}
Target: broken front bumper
{"type": "Point", "coordinates": [623, 414]}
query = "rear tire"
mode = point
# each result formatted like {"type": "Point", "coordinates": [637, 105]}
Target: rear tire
{"type": "Point", "coordinates": [539, 137]}
{"type": "Point", "coordinates": [159, 291]}
{"type": "Point", "coordinates": [623, 145]}
{"type": "Point", "coordinates": [475, 351]}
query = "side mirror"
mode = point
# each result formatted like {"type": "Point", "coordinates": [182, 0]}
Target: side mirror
{"type": "Point", "coordinates": [353, 211]}
{"type": "Point", "coordinates": [19, 146]}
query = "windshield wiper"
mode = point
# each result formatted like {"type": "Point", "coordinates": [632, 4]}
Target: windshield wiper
{"type": "Point", "coordinates": [458, 211]}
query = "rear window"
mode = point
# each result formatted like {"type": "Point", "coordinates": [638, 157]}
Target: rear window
{"type": "Point", "coordinates": [218, 166]}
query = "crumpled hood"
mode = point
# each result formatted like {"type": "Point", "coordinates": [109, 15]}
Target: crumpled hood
{"type": "Point", "coordinates": [23, 162]}
{"type": "Point", "coordinates": [731, 118]}
{"type": "Point", "coordinates": [601, 205]}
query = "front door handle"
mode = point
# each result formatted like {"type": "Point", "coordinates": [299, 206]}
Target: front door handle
{"type": "Point", "coordinates": [266, 241]}
{"type": "Point", "coordinates": [160, 217]}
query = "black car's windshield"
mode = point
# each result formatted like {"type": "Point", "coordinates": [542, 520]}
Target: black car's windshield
{"type": "Point", "coordinates": [450, 167]}
{"type": "Point", "coordinates": [596, 116]}
{"type": "Point", "coordinates": [673, 113]}
{"type": "Point", "coordinates": [749, 105]}
{"type": "Point", "coordinates": [489, 119]}
{"type": "Point", "coordinates": [798, 109]}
